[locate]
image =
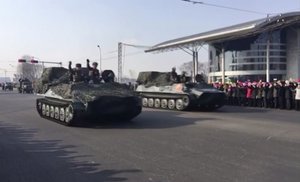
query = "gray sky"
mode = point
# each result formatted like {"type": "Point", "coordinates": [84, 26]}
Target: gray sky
{"type": "Point", "coordinates": [64, 30]}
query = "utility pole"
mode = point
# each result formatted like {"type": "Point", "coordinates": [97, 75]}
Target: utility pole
{"type": "Point", "coordinates": [100, 58]}
{"type": "Point", "coordinates": [4, 73]}
{"type": "Point", "coordinates": [120, 56]}
{"type": "Point", "coordinates": [120, 62]}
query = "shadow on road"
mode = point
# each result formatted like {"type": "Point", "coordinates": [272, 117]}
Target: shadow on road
{"type": "Point", "coordinates": [25, 159]}
{"type": "Point", "coordinates": [241, 109]}
{"type": "Point", "coordinates": [146, 120]}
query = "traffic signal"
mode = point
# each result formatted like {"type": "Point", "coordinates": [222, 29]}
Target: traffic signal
{"type": "Point", "coordinates": [22, 60]}
{"type": "Point", "coordinates": [34, 61]}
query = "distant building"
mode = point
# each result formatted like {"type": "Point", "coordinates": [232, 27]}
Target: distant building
{"type": "Point", "coordinates": [5, 79]}
{"type": "Point", "coordinates": [263, 49]}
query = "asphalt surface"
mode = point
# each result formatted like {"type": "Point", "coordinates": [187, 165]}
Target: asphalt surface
{"type": "Point", "coordinates": [232, 144]}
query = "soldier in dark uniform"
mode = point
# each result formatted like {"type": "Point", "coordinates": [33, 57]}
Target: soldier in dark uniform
{"type": "Point", "coordinates": [183, 78]}
{"type": "Point", "coordinates": [76, 74]}
{"type": "Point", "coordinates": [94, 74]}
{"type": "Point", "coordinates": [174, 76]}
{"type": "Point", "coordinates": [199, 78]}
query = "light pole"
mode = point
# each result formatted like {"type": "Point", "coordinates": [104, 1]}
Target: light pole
{"type": "Point", "coordinates": [100, 61]}
{"type": "Point", "coordinates": [4, 74]}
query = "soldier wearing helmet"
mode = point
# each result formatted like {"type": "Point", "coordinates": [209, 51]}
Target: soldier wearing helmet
{"type": "Point", "coordinates": [76, 74]}
{"type": "Point", "coordinates": [94, 74]}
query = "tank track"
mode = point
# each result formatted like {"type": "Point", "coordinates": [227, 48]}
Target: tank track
{"type": "Point", "coordinates": [62, 112]}
{"type": "Point", "coordinates": [177, 102]}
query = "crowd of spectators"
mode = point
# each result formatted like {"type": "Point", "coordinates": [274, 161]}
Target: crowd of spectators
{"type": "Point", "coordinates": [276, 94]}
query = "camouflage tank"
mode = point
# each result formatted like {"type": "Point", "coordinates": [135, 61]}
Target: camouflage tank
{"type": "Point", "coordinates": [158, 91]}
{"type": "Point", "coordinates": [67, 102]}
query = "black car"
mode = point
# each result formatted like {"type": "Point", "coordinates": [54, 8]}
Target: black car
{"type": "Point", "coordinates": [25, 86]}
{"type": "Point", "coordinates": [8, 86]}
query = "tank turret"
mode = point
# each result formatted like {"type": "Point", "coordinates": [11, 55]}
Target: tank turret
{"type": "Point", "coordinates": [158, 90]}
{"type": "Point", "coordinates": [68, 102]}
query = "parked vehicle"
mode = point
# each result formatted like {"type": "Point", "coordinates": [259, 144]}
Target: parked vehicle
{"type": "Point", "coordinates": [8, 86]}
{"type": "Point", "coordinates": [25, 86]}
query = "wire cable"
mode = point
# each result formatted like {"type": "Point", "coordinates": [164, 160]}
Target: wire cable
{"type": "Point", "coordinates": [226, 7]}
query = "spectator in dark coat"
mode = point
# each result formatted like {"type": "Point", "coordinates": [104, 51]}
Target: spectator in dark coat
{"type": "Point", "coordinates": [288, 95]}
{"type": "Point", "coordinates": [265, 91]}
{"type": "Point", "coordinates": [281, 95]}
{"type": "Point", "coordinates": [297, 97]}
{"type": "Point", "coordinates": [276, 87]}
{"type": "Point", "coordinates": [270, 99]}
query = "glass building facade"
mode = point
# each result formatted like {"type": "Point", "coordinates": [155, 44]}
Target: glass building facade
{"type": "Point", "coordinates": [246, 58]}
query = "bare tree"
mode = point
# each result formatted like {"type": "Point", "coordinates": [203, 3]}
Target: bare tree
{"type": "Point", "coordinates": [188, 67]}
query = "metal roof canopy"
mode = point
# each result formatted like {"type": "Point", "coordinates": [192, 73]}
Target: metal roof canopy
{"type": "Point", "coordinates": [191, 44]}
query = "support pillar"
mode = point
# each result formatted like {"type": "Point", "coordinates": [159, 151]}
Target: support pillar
{"type": "Point", "coordinates": [223, 65]}
{"type": "Point", "coordinates": [120, 62]}
{"type": "Point", "coordinates": [268, 61]}
{"type": "Point", "coordinates": [195, 66]}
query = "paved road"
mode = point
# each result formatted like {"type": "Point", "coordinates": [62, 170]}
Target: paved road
{"type": "Point", "coordinates": [233, 144]}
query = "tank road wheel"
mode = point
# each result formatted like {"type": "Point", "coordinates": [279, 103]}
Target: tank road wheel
{"type": "Point", "coordinates": [164, 103]}
{"type": "Point", "coordinates": [186, 101]}
{"type": "Point", "coordinates": [39, 106]}
{"type": "Point", "coordinates": [47, 110]}
{"type": "Point", "coordinates": [171, 104]}
{"type": "Point", "coordinates": [52, 111]}
{"type": "Point", "coordinates": [179, 104]}
{"type": "Point", "coordinates": [145, 102]}
{"type": "Point", "coordinates": [157, 103]}
{"type": "Point", "coordinates": [44, 109]}
{"type": "Point", "coordinates": [56, 113]}
{"type": "Point", "coordinates": [69, 115]}
{"type": "Point", "coordinates": [62, 114]}
{"type": "Point", "coordinates": [150, 102]}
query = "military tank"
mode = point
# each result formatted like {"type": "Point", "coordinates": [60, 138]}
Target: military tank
{"type": "Point", "coordinates": [158, 91]}
{"type": "Point", "coordinates": [67, 102]}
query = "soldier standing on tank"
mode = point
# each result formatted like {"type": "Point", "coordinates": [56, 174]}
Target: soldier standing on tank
{"type": "Point", "coordinates": [183, 78]}
{"type": "Point", "coordinates": [94, 73]}
{"type": "Point", "coordinates": [76, 74]}
{"type": "Point", "coordinates": [174, 76]}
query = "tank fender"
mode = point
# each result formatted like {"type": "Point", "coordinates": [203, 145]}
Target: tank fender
{"type": "Point", "coordinates": [196, 92]}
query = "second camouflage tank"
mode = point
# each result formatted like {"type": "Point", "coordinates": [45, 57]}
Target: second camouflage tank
{"type": "Point", "coordinates": [68, 102]}
{"type": "Point", "coordinates": [158, 91]}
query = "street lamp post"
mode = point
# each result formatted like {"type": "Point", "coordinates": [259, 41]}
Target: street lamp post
{"type": "Point", "coordinates": [100, 60]}
{"type": "Point", "coordinates": [4, 70]}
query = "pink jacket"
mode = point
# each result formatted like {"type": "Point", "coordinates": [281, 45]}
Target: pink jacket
{"type": "Point", "coordinates": [249, 92]}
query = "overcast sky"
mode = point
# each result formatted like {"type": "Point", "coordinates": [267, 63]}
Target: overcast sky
{"type": "Point", "coordinates": [64, 30]}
